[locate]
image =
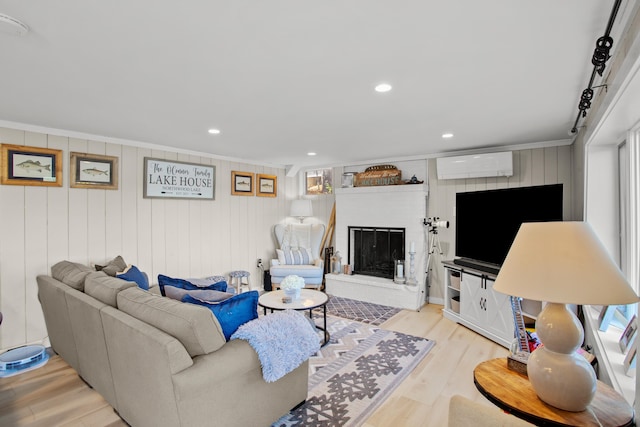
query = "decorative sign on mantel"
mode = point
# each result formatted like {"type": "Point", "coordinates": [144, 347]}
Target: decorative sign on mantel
{"type": "Point", "coordinates": [378, 175]}
{"type": "Point", "coordinates": [178, 180]}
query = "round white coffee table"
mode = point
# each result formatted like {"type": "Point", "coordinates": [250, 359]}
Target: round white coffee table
{"type": "Point", "coordinates": [309, 299]}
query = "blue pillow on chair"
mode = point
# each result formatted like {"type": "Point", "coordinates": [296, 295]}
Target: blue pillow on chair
{"type": "Point", "coordinates": [185, 284]}
{"type": "Point", "coordinates": [231, 313]}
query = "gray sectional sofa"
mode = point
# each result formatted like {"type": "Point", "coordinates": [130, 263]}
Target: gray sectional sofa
{"type": "Point", "coordinates": [158, 361]}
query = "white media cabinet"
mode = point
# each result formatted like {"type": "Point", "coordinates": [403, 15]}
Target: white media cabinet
{"type": "Point", "coordinates": [469, 299]}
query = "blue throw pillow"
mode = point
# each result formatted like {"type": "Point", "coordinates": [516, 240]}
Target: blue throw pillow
{"type": "Point", "coordinates": [185, 284]}
{"type": "Point", "coordinates": [231, 313]}
{"type": "Point", "coordinates": [133, 274]}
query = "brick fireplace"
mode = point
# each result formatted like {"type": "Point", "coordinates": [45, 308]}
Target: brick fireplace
{"type": "Point", "coordinates": [384, 207]}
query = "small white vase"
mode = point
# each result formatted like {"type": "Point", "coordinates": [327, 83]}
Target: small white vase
{"type": "Point", "coordinates": [293, 293]}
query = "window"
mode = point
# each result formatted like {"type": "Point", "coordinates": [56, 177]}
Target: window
{"type": "Point", "coordinates": [318, 181]}
{"type": "Point", "coordinates": [631, 266]}
{"type": "Point", "coordinates": [623, 210]}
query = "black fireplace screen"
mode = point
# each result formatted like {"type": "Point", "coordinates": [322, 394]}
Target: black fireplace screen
{"type": "Point", "coordinates": [373, 250]}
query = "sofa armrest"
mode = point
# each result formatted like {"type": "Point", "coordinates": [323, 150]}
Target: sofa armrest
{"type": "Point", "coordinates": [233, 360]}
{"type": "Point", "coordinates": [275, 262]}
{"type": "Point", "coordinates": [215, 386]}
{"type": "Point", "coordinates": [319, 262]}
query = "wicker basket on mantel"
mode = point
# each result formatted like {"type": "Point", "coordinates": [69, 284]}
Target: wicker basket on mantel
{"type": "Point", "coordinates": [378, 175]}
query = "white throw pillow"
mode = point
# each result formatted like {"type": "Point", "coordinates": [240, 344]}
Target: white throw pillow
{"type": "Point", "coordinates": [300, 256]}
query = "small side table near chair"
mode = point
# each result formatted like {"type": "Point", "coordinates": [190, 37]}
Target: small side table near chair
{"type": "Point", "coordinates": [237, 280]}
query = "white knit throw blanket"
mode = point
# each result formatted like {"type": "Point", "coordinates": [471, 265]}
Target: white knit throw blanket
{"type": "Point", "coordinates": [283, 341]}
{"type": "Point", "coordinates": [297, 236]}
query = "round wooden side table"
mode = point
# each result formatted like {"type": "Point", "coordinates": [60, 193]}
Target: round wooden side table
{"type": "Point", "coordinates": [512, 392]}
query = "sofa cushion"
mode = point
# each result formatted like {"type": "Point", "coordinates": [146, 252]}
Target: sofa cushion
{"type": "Point", "coordinates": [105, 288]}
{"type": "Point", "coordinates": [133, 274]}
{"type": "Point", "coordinates": [112, 267]}
{"type": "Point", "coordinates": [196, 328]}
{"type": "Point", "coordinates": [295, 257]}
{"type": "Point", "coordinates": [232, 312]}
{"type": "Point", "coordinates": [304, 271]}
{"type": "Point", "coordinates": [186, 284]}
{"type": "Point", "coordinates": [203, 294]}
{"type": "Point", "coordinates": [71, 273]}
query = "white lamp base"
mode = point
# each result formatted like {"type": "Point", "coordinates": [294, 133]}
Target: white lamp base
{"type": "Point", "coordinates": [560, 376]}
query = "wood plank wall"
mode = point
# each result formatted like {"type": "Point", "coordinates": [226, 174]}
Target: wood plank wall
{"type": "Point", "coordinates": [539, 166]}
{"type": "Point", "coordinates": [40, 226]}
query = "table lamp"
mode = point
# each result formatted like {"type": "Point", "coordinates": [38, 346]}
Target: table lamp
{"type": "Point", "coordinates": [301, 209]}
{"type": "Point", "coordinates": [561, 263]}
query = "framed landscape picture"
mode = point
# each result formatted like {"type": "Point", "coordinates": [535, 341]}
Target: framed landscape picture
{"type": "Point", "coordinates": [93, 171]}
{"type": "Point", "coordinates": [241, 183]}
{"type": "Point", "coordinates": [267, 185]}
{"type": "Point", "coordinates": [22, 165]}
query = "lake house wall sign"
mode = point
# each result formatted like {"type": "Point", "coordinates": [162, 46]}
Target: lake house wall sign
{"type": "Point", "coordinates": [178, 180]}
{"type": "Point", "coordinates": [378, 175]}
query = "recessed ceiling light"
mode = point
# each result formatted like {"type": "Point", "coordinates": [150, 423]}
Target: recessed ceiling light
{"type": "Point", "coordinates": [311, 153]}
{"type": "Point", "coordinates": [383, 87]}
{"type": "Point", "coordinates": [214, 131]}
{"type": "Point", "coordinates": [447, 135]}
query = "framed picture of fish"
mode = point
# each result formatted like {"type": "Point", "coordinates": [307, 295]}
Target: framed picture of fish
{"type": "Point", "coordinates": [93, 171]}
{"type": "Point", "coordinates": [241, 183]}
{"type": "Point", "coordinates": [22, 165]}
{"type": "Point", "coordinates": [267, 185]}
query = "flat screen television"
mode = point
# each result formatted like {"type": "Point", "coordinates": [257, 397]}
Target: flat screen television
{"type": "Point", "coordinates": [488, 221]}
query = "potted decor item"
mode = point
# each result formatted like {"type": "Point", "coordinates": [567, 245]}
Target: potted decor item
{"type": "Point", "coordinates": [291, 286]}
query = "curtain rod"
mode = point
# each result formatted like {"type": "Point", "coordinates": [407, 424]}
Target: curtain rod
{"type": "Point", "coordinates": [599, 60]}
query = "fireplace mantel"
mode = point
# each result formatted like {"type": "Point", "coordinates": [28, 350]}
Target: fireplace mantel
{"type": "Point", "coordinates": [406, 188]}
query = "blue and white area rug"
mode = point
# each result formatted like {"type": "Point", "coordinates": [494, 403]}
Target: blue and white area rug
{"type": "Point", "coordinates": [353, 375]}
{"type": "Point", "coordinates": [359, 311]}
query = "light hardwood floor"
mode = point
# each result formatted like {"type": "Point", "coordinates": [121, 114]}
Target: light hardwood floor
{"type": "Point", "coordinates": [54, 395]}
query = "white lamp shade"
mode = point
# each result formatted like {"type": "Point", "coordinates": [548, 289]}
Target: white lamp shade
{"type": "Point", "coordinates": [562, 262]}
{"type": "Point", "coordinates": [301, 208]}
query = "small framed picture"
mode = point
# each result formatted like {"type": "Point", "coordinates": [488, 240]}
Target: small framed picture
{"type": "Point", "coordinates": [347, 179]}
{"type": "Point", "coordinates": [242, 183]}
{"type": "Point", "coordinates": [21, 165]}
{"type": "Point", "coordinates": [93, 171]}
{"type": "Point", "coordinates": [267, 185]}
{"type": "Point", "coordinates": [630, 362]}
{"type": "Point", "coordinates": [629, 334]}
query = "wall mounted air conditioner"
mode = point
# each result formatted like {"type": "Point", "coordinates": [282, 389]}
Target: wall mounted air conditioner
{"type": "Point", "coordinates": [475, 165]}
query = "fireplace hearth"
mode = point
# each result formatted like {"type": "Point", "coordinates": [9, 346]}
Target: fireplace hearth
{"type": "Point", "coordinates": [372, 251]}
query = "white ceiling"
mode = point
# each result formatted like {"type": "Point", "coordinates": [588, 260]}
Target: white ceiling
{"type": "Point", "coordinates": [281, 78]}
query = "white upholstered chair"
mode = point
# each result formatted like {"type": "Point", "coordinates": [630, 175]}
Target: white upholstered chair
{"type": "Point", "coordinates": [298, 254]}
